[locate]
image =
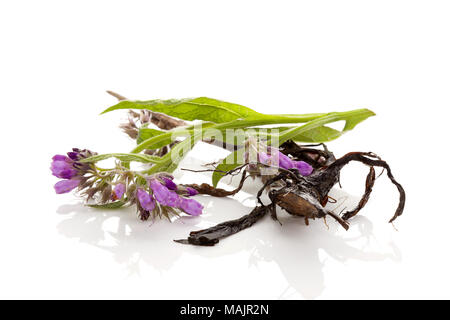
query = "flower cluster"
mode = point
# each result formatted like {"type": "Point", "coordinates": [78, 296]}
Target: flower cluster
{"type": "Point", "coordinates": [68, 168]}
{"type": "Point", "coordinates": [155, 195]}
{"type": "Point", "coordinates": [160, 194]}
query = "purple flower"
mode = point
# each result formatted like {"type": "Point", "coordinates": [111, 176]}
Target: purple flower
{"type": "Point", "coordinates": [62, 168]}
{"type": "Point", "coordinates": [65, 186]}
{"type": "Point", "coordinates": [146, 200]}
{"type": "Point", "coordinates": [276, 158]}
{"type": "Point", "coordinates": [73, 172]}
{"type": "Point", "coordinates": [164, 195]}
{"type": "Point", "coordinates": [169, 183]}
{"type": "Point", "coordinates": [284, 161]}
{"type": "Point", "coordinates": [304, 168]}
{"type": "Point", "coordinates": [119, 191]}
{"type": "Point", "coordinates": [191, 206]}
{"type": "Point", "coordinates": [161, 192]}
{"type": "Point", "coordinates": [59, 157]}
{"type": "Point", "coordinates": [191, 192]}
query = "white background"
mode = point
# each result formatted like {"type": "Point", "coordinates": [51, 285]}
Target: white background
{"type": "Point", "coordinates": [59, 57]}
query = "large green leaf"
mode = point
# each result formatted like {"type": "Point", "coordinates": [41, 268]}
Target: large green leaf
{"type": "Point", "coordinates": [202, 108]}
{"type": "Point", "coordinates": [310, 130]}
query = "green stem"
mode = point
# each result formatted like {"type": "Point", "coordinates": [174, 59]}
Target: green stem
{"type": "Point", "coordinates": [144, 144]}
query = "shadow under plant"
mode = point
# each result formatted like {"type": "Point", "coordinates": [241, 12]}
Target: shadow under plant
{"type": "Point", "coordinates": [293, 246]}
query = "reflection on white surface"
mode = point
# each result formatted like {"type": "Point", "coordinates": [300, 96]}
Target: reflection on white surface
{"type": "Point", "coordinates": [300, 252]}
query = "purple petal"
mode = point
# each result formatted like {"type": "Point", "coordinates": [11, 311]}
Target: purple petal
{"type": "Point", "coordinates": [145, 199]}
{"type": "Point", "coordinates": [63, 169]}
{"type": "Point", "coordinates": [163, 195]}
{"type": "Point", "coordinates": [60, 157]}
{"type": "Point", "coordinates": [169, 183]}
{"type": "Point", "coordinates": [161, 192]}
{"type": "Point", "coordinates": [191, 192]}
{"type": "Point", "coordinates": [191, 206]}
{"type": "Point", "coordinates": [173, 200]}
{"type": "Point", "coordinates": [65, 186]}
{"type": "Point", "coordinates": [284, 161]}
{"type": "Point", "coordinates": [304, 168]}
{"type": "Point", "coordinates": [119, 190]}
{"type": "Point", "coordinates": [279, 159]}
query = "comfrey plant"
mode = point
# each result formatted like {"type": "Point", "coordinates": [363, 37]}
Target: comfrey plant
{"type": "Point", "coordinates": [297, 177]}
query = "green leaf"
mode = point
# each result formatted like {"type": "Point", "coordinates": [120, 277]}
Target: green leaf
{"type": "Point", "coordinates": [310, 130]}
{"type": "Point", "coordinates": [351, 118]}
{"type": "Point", "coordinates": [318, 135]}
{"type": "Point", "coordinates": [202, 108]}
{"type": "Point", "coordinates": [111, 205]}
{"type": "Point", "coordinates": [147, 133]}
{"type": "Point", "coordinates": [127, 157]}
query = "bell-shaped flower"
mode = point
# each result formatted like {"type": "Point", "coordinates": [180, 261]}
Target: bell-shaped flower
{"type": "Point", "coordinates": [145, 200]}
{"type": "Point", "coordinates": [62, 167]}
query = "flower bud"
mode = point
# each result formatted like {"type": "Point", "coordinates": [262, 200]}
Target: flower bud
{"type": "Point", "coordinates": [62, 168]}
{"type": "Point", "coordinates": [169, 183]}
{"type": "Point", "coordinates": [191, 192]}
